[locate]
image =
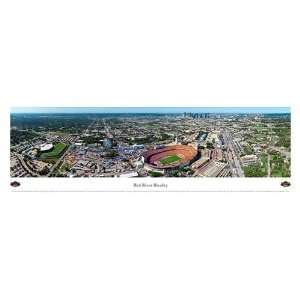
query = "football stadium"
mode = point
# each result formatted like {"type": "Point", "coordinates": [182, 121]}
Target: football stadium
{"type": "Point", "coordinates": [170, 156]}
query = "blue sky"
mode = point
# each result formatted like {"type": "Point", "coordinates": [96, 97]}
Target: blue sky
{"type": "Point", "coordinates": [150, 109]}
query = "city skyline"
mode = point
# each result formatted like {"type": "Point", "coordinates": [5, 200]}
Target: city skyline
{"type": "Point", "coordinates": [150, 110]}
{"type": "Point", "coordinates": [174, 142]}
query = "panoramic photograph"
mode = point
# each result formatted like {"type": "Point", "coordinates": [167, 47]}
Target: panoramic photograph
{"type": "Point", "coordinates": [150, 142]}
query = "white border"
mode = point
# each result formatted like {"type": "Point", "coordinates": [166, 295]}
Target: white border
{"type": "Point", "coordinates": [148, 184]}
{"type": "Point", "coordinates": [151, 185]}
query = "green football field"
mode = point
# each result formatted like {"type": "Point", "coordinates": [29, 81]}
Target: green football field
{"type": "Point", "coordinates": [170, 159]}
{"type": "Point", "coordinates": [55, 152]}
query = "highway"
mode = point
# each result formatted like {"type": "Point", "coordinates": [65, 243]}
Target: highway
{"type": "Point", "coordinates": [232, 156]}
{"type": "Point", "coordinates": [53, 168]}
{"type": "Point", "coordinates": [107, 130]}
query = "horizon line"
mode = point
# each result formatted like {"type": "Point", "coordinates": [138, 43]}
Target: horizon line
{"type": "Point", "coordinates": [149, 110]}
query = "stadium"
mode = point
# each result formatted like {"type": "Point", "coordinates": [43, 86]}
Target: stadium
{"type": "Point", "coordinates": [170, 157]}
{"type": "Point", "coordinates": [46, 147]}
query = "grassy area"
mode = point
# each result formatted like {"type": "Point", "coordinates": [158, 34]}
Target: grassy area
{"type": "Point", "coordinates": [155, 174]}
{"type": "Point", "coordinates": [279, 167]}
{"type": "Point", "coordinates": [260, 169]}
{"type": "Point", "coordinates": [65, 167]}
{"type": "Point", "coordinates": [170, 159]}
{"type": "Point", "coordinates": [55, 152]}
{"type": "Point", "coordinates": [248, 150]}
{"type": "Point", "coordinates": [283, 132]}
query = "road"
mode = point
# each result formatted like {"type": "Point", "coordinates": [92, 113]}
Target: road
{"type": "Point", "coordinates": [107, 130]}
{"type": "Point", "coordinates": [269, 165]}
{"type": "Point", "coordinates": [23, 163]}
{"type": "Point", "coordinates": [234, 162]}
{"type": "Point", "coordinates": [53, 168]}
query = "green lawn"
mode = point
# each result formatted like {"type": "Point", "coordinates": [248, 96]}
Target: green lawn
{"type": "Point", "coordinates": [55, 152]}
{"type": "Point", "coordinates": [279, 167]}
{"type": "Point", "coordinates": [260, 169]}
{"type": "Point", "coordinates": [170, 159]}
{"type": "Point", "coordinates": [155, 174]}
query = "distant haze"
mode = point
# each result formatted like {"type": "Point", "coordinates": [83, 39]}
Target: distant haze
{"type": "Point", "coordinates": [159, 110]}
